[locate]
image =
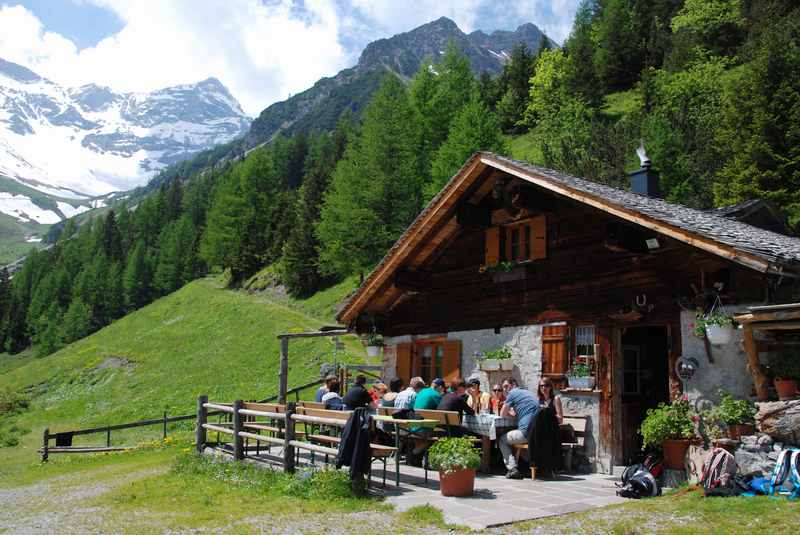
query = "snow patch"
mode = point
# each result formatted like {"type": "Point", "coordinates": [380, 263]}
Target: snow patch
{"type": "Point", "coordinates": [69, 211]}
{"type": "Point", "coordinates": [22, 208]}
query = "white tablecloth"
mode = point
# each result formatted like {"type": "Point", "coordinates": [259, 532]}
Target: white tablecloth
{"type": "Point", "coordinates": [486, 425]}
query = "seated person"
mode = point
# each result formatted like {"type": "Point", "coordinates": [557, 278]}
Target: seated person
{"type": "Point", "coordinates": [429, 398]}
{"type": "Point", "coordinates": [497, 400]}
{"type": "Point", "coordinates": [405, 399]}
{"type": "Point", "coordinates": [456, 400]}
{"type": "Point", "coordinates": [358, 396]}
{"type": "Point", "coordinates": [324, 389]}
{"type": "Point", "coordinates": [377, 391]}
{"type": "Point", "coordinates": [332, 400]}
{"type": "Point", "coordinates": [523, 405]}
{"type": "Point", "coordinates": [478, 401]}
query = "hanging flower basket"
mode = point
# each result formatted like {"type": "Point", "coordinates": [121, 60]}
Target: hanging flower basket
{"type": "Point", "coordinates": [373, 351]}
{"type": "Point", "coordinates": [719, 335]}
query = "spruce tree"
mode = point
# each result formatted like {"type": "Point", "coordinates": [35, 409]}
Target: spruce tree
{"type": "Point", "coordinates": [475, 128]}
{"type": "Point", "coordinates": [77, 321]}
{"type": "Point", "coordinates": [375, 191]}
{"type": "Point", "coordinates": [112, 238]}
{"type": "Point", "coordinates": [136, 278]}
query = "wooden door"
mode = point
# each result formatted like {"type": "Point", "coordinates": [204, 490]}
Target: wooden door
{"type": "Point", "coordinates": [555, 356]}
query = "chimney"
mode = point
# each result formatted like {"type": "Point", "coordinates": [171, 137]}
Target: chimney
{"type": "Point", "coordinates": [645, 181]}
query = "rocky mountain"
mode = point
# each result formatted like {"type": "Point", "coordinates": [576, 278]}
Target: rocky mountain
{"type": "Point", "coordinates": [320, 106]}
{"type": "Point", "coordinates": [63, 149]}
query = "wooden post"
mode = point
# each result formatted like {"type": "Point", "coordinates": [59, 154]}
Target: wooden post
{"type": "Point", "coordinates": [108, 437]}
{"type": "Point", "coordinates": [284, 378]}
{"type": "Point", "coordinates": [165, 425]}
{"type": "Point", "coordinates": [202, 418]}
{"type": "Point", "coordinates": [238, 442]}
{"type": "Point", "coordinates": [45, 444]}
{"type": "Point", "coordinates": [753, 364]}
{"type": "Point", "coordinates": [288, 436]}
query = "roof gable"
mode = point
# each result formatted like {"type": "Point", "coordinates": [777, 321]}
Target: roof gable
{"type": "Point", "coordinates": [733, 240]}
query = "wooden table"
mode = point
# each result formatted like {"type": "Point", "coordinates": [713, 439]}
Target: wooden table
{"type": "Point", "coordinates": [402, 424]}
{"type": "Point", "coordinates": [489, 427]}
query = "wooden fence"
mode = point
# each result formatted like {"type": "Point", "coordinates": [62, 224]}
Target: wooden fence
{"type": "Point", "coordinates": [281, 421]}
{"type": "Point", "coordinates": [63, 439]}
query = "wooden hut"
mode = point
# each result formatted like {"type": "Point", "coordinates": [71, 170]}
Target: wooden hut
{"type": "Point", "coordinates": [562, 270]}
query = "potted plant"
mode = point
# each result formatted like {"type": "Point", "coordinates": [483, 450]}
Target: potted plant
{"type": "Point", "coordinates": [496, 359]}
{"type": "Point", "coordinates": [374, 344]}
{"type": "Point", "coordinates": [456, 460]}
{"type": "Point", "coordinates": [716, 325]}
{"type": "Point", "coordinates": [785, 368]}
{"type": "Point", "coordinates": [580, 376]}
{"type": "Point", "coordinates": [669, 426]}
{"type": "Point", "coordinates": [737, 415]}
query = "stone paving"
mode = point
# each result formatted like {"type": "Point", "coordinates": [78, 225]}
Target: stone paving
{"type": "Point", "coordinates": [498, 500]}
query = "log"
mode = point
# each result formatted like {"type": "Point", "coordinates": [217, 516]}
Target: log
{"type": "Point", "coordinates": [202, 418]}
{"type": "Point", "coordinates": [218, 429]}
{"type": "Point", "coordinates": [238, 443]}
{"type": "Point", "coordinates": [219, 407]}
{"type": "Point", "coordinates": [288, 438]}
{"type": "Point", "coordinates": [262, 438]}
{"type": "Point", "coordinates": [780, 420]}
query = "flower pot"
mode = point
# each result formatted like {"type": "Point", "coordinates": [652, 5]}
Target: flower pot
{"type": "Point", "coordinates": [787, 389]}
{"type": "Point", "coordinates": [719, 335]}
{"type": "Point", "coordinates": [490, 365]}
{"type": "Point", "coordinates": [458, 483]}
{"type": "Point", "coordinates": [373, 351]}
{"type": "Point", "coordinates": [737, 431]}
{"type": "Point", "coordinates": [581, 383]}
{"type": "Point", "coordinates": [507, 365]}
{"type": "Point", "coordinates": [675, 453]}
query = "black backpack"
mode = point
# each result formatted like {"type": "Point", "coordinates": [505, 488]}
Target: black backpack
{"type": "Point", "coordinates": [638, 479]}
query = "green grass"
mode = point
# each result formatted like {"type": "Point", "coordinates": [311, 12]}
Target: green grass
{"type": "Point", "coordinates": [525, 147]}
{"type": "Point", "coordinates": [12, 238]}
{"type": "Point", "coordinates": [202, 339]}
{"type": "Point", "coordinates": [616, 105]}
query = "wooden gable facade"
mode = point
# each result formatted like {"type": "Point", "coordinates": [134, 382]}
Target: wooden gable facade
{"type": "Point", "coordinates": [504, 247]}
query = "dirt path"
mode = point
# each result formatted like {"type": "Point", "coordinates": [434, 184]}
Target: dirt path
{"type": "Point", "coordinates": [58, 505]}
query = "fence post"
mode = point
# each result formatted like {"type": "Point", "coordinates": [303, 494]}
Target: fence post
{"type": "Point", "coordinates": [108, 437]}
{"type": "Point", "coordinates": [45, 444]}
{"type": "Point", "coordinates": [288, 437]}
{"type": "Point", "coordinates": [284, 371]}
{"type": "Point", "coordinates": [238, 442]}
{"type": "Point", "coordinates": [165, 425]}
{"type": "Point", "coordinates": [202, 417]}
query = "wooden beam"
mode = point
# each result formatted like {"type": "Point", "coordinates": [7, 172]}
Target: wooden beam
{"type": "Point", "coordinates": [751, 317]}
{"type": "Point", "coordinates": [314, 334]}
{"type": "Point", "coordinates": [753, 364]}
{"type": "Point", "coordinates": [775, 325]}
{"type": "Point", "coordinates": [283, 384]}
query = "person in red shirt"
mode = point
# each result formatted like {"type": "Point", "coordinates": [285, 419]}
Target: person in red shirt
{"type": "Point", "coordinates": [497, 400]}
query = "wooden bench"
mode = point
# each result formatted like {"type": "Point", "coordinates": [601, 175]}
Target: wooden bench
{"type": "Point", "coordinates": [573, 437]}
{"type": "Point", "coordinates": [377, 451]}
{"type": "Point", "coordinates": [311, 404]}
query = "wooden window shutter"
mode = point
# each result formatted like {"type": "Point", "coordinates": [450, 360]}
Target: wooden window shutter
{"type": "Point", "coordinates": [555, 357]}
{"type": "Point", "coordinates": [538, 227]}
{"type": "Point", "coordinates": [451, 367]}
{"type": "Point", "coordinates": [492, 246]}
{"type": "Point", "coordinates": [403, 361]}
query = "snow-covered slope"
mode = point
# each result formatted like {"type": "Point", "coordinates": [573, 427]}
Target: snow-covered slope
{"type": "Point", "coordinates": [75, 144]}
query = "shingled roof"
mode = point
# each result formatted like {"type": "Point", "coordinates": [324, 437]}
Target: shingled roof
{"type": "Point", "coordinates": [739, 242]}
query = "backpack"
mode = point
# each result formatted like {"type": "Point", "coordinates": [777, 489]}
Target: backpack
{"type": "Point", "coordinates": [718, 475]}
{"type": "Point", "coordinates": [787, 469]}
{"type": "Point", "coordinates": [639, 483]}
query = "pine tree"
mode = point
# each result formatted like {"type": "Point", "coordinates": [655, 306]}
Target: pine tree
{"type": "Point", "coordinates": [516, 79]}
{"type": "Point", "coordinates": [112, 238]}
{"type": "Point", "coordinates": [136, 278]}
{"type": "Point", "coordinates": [5, 305]}
{"type": "Point", "coordinates": [77, 321]}
{"type": "Point", "coordinates": [375, 190]}
{"type": "Point", "coordinates": [115, 296]}
{"type": "Point", "coordinates": [618, 59]}
{"type": "Point", "coordinates": [475, 128]}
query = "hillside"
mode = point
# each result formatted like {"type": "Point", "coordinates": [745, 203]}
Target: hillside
{"type": "Point", "coordinates": [200, 339]}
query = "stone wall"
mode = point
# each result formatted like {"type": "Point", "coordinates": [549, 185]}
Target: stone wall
{"type": "Point", "coordinates": [727, 372]}
{"type": "Point", "coordinates": [585, 403]}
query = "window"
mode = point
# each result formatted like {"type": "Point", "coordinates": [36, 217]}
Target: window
{"type": "Point", "coordinates": [584, 341]}
{"type": "Point", "coordinates": [517, 242]}
{"type": "Point", "coordinates": [434, 358]}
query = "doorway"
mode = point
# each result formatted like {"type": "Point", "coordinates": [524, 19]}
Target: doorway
{"type": "Point", "coordinates": [645, 380]}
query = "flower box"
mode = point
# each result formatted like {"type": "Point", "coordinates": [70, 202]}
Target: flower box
{"type": "Point", "coordinates": [490, 365]}
{"type": "Point", "coordinates": [581, 383]}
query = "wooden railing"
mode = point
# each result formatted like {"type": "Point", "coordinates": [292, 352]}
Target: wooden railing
{"type": "Point", "coordinates": [283, 417]}
{"type": "Point", "coordinates": [63, 439]}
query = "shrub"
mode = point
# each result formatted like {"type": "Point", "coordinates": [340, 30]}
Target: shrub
{"type": "Point", "coordinates": [451, 454]}
{"type": "Point", "coordinates": [673, 421]}
{"type": "Point", "coordinates": [732, 411]}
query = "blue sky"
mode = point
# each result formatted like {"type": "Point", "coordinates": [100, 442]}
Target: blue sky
{"type": "Point", "coordinates": [262, 50]}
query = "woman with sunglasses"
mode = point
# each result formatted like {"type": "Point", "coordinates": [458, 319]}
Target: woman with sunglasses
{"type": "Point", "coordinates": [548, 398]}
{"type": "Point", "coordinates": [497, 399]}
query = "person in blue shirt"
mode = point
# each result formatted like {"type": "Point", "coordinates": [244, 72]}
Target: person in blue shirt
{"type": "Point", "coordinates": [524, 406]}
{"type": "Point", "coordinates": [324, 389]}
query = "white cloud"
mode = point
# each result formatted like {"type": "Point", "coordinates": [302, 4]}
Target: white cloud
{"type": "Point", "coordinates": [262, 50]}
